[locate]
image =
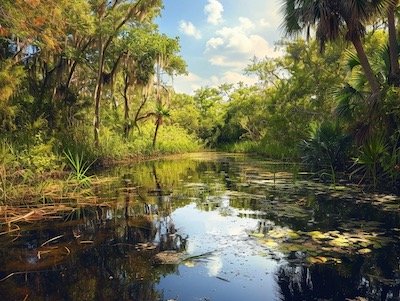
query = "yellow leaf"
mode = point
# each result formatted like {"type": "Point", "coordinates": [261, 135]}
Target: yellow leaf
{"type": "Point", "coordinates": [364, 251]}
{"type": "Point", "coordinates": [270, 243]}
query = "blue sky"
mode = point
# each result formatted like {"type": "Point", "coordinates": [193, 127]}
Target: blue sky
{"type": "Point", "coordinates": [220, 37]}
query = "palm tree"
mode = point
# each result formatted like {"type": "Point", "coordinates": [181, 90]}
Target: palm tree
{"type": "Point", "coordinates": [161, 113]}
{"type": "Point", "coordinates": [332, 19]}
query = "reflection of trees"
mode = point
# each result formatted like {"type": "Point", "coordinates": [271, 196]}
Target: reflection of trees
{"type": "Point", "coordinates": [375, 278]}
{"type": "Point", "coordinates": [126, 235]}
{"type": "Point", "coordinates": [110, 267]}
{"type": "Point", "coordinates": [317, 282]}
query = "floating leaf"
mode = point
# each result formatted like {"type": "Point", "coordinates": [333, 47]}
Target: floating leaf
{"type": "Point", "coordinates": [270, 243]}
{"type": "Point", "coordinates": [257, 235]}
{"type": "Point", "coordinates": [340, 242]}
{"type": "Point", "coordinates": [317, 235]}
{"type": "Point", "coordinates": [317, 260]}
{"type": "Point", "coordinates": [364, 251]}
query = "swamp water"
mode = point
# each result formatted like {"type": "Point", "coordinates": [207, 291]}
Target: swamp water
{"type": "Point", "coordinates": [209, 227]}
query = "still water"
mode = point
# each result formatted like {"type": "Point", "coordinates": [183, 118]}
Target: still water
{"type": "Point", "coordinates": [209, 227]}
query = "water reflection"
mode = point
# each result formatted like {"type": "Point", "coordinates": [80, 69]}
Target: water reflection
{"type": "Point", "coordinates": [240, 229]}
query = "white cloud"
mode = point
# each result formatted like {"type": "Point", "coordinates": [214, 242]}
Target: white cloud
{"type": "Point", "coordinates": [242, 40]}
{"type": "Point", "coordinates": [264, 23]}
{"type": "Point", "coordinates": [188, 83]}
{"type": "Point", "coordinates": [189, 29]}
{"type": "Point", "coordinates": [246, 23]}
{"type": "Point", "coordinates": [214, 266]}
{"type": "Point", "coordinates": [233, 77]}
{"type": "Point", "coordinates": [266, 14]}
{"type": "Point", "coordinates": [223, 61]}
{"type": "Point", "coordinates": [214, 10]}
{"type": "Point", "coordinates": [214, 43]}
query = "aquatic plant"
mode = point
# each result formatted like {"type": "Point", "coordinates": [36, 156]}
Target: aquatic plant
{"type": "Point", "coordinates": [80, 168]}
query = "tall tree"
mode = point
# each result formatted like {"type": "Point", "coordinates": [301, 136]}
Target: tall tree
{"type": "Point", "coordinates": [330, 18]}
{"type": "Point", "coordinates": [111, 18]}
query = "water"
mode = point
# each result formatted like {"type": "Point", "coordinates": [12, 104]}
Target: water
{"type": "Point", "coordinates": [236, 228]}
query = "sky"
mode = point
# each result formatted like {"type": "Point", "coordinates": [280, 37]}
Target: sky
{"type": "Point", "coordinates": [220, 37]}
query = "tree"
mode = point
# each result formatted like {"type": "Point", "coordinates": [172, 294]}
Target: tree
{"type": "Point", "coordinates": [330, 18]}
{"type": "Point", "coordinates": [111, 18]}
{"type": "Point", "coordinates": [295, 91]}
{"type": "Point", "coordinates": [45, 41]}
{"type": "Point", "coordinates": [393, 44]}
{"type": "Point", "coordinates": [209, 103]}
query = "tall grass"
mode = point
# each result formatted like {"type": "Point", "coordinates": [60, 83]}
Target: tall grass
{"type": "Point", "coordinates": [7, 160]}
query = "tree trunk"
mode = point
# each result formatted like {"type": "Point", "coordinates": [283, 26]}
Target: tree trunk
{"type": "Point", "coordinates": [75, 63]}
{"type": "Point", "coordinates": [127, 126]}
{"type": "Point", "coordinates": [369, 74]}
{"type": "Point", "coordinates": [158, 123]}
{"type": "Point", "coordinates": [394, 76]}
{"type": "Point", "coordinates": [97, 95]}
{"type": "Point", "coordinates": [144, 100]}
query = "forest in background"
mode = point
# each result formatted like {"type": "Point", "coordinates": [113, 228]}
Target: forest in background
{"type": "Point", "coordinates": [87, 78]}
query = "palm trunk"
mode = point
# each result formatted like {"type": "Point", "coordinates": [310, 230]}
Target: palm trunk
{"type": "Point", "coordinates": [158, 123]}
{"type": "Point", "coordinates": [394, 77]}
{"type": "Point", "coordinates": [369, 74]}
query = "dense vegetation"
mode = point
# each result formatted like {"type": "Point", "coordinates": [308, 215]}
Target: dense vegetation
{"type": "Point", "coordinates": [87, 77]}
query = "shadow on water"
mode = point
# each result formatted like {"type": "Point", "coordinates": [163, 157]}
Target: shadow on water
{"type": "Point", "coordinates": [210, 227]}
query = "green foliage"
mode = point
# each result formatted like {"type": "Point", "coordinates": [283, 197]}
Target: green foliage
{"type": "Point", "coordinates": [80, 168]}
{"type": "Point", "coordinates": [8, 162]}
{"type": "Point", "coordinates": [326, 151]}
{"type": "Point", "coordinates": [368, 163]}
{"type": "Point", "coordinates": [7, 155]}
{"type": "Point", "coordinates": [270, 149]}
{"type": "Point", "coordinates": [245, 117]}
{"type": "Point", "coordinates": [185, 113]}
{"type": "Point", "coordinates": [40, 156]}
{"type": "Point", "coordinates": [173, 139]}
{"type": "Point", "coordinates": [209, 103]}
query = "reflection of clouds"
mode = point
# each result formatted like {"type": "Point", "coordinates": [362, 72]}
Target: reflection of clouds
{"type": "Point", "coordinates": [225, 201]}
{"type": "Point", "coordinates": [109, 214]}
{"type": "Point", "coordinates": [236, 230]}
{"type": "Point", "coordinates": [214, 266]}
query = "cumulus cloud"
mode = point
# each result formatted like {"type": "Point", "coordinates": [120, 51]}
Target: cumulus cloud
{"type": "Point", "coordinates": [214, 43]}
{"type": "Point", "coordinates": [189, 29]}
{"type": "Point", "coordinates": [241, 40]}
{"type": "Point", "coordinates": [214, 10]}
{"type": "Point", "coordinates": [245, 23]}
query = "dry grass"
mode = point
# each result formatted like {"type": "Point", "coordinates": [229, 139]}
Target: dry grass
{"type": "Point", "coordinates": [52, 200]}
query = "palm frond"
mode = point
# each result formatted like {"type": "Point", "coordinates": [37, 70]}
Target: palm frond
{"type": "Point", "coordinates": [351, 59]}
